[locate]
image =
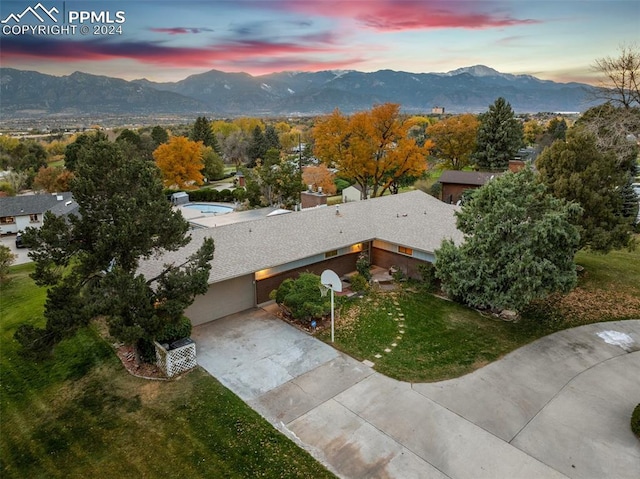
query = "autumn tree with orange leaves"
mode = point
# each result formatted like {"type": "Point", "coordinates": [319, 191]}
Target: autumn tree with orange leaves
{"type": "Point", "coordinates": [454, 140]}
{"type": "Point", "coordinates": [320, 177]}
{"type": "Point", "coordinates": [180, 161]}
{"type": "Point", "coordinates": [373, 148]}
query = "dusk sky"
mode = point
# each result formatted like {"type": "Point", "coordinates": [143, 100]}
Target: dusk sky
{"type": "Point", "coordinates": [170, 40]}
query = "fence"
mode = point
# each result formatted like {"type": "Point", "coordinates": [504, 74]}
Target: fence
{"type": "Point", "coordinates": [180, 357]}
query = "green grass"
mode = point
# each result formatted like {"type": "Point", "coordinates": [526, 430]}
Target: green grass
{"type": "Point", "coordinates": [616, 271]}
{"type": "Point", "coordinates": [443, 340]}
{"type": "Point", "coordinates": [80, 414]}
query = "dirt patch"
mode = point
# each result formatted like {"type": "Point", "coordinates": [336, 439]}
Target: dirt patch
{"type": "Point", "coordinates": [585, 306]}
{"type": "Point", "coordinates": [134, 366]}
{"type": "Point", "coordinates": [128, 356]}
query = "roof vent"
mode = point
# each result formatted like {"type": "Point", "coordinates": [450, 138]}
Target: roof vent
{"type": "Point", "coordinates": [68, 203]}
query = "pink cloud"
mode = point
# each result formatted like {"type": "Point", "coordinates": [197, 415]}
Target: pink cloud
{"type": "Point", "coordinates": [180, 30]}
{"type": "Point", "coordinates": [393, 15]}
{"type": "Point", "coordinates": [254, 55]}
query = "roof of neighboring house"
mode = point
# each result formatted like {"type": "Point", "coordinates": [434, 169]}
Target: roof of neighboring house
{"type": "Point", "coordinates": [58, 203]}
{"type": "Point", "coordinates": [475, 178]}
{"type": "Point", "coordinates": [412, 219]}
{"type": "Point", "coordinates": [356, 186]}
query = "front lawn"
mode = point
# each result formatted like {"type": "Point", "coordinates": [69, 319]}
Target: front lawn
{"type": "Point", "coordinates": [80, 414]}
{"type": "Point", "coordinates": [420, 338]}
{"type": "Point", "coordinates": [414, 336]}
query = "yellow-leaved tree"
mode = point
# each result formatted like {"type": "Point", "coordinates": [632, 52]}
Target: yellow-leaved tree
{"type": "Point", "coordinates": [455, 140]}
{"type": "Point", "coordinates": [321, 177]}
{"type": "Point", "coordinates": [180, 161]}
{"type": "Point", "coordinates": [373, 148]}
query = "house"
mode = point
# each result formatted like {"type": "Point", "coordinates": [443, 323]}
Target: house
{"type": "Point", "coordinates": [20, 212]}
{"type": "Point", "coordinates": [353, 193]}
{"type": "Point", "coordinates": [454, 183]}
{"type": "Point", "coordinates": [252, 258]}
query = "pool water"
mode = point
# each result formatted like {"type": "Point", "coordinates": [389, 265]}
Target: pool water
{"type": "Point", "coordinates": [209, 208]}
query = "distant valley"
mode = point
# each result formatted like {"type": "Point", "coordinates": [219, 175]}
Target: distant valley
{"type": "Point", "coordinates": [26, 94]}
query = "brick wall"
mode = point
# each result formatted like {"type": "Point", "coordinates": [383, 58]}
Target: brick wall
{"type": "Point", "coordinates": [387, 259]}
{"type": "Point", "coordinates": [340, 264]}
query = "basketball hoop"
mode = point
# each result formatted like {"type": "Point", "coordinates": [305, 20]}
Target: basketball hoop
{"type": "Point", "coordinates": [329, 280]}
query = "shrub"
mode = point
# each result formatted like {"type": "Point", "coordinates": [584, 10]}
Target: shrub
{"type": "Point", "coordinates": [283, 290]}
{"type": "Point", "coordinates": [301, 297]}
{"type": "Point", "coordinates": [170, 333]}
{"type": "Point", "coordinates": [359, 283]}
{"type": "Point", "coordinates": [436, 189]}
{"type": "Point", "coordinates": [6, 260]}
{"type": "Point", "coordinates": [363, 266]}
{"type": "Point", "coordinates": [146, 351]}
{"type": "Point", "coordinates": [340, 185]}
{"type": "Point", "coordinates": [173, 332]}
{"type": "Point", "coordinates": [635, 421]}
{"type": "Point", "coordinates": [225, 195]}
{"type": "Point", "coordinates": [239, 194]}
{"type": "Point", "coordinates": [397, 274]}
{"type": "Point", "coordinates": [428, 276]}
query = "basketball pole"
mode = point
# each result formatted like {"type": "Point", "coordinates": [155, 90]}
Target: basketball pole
{"type": "Point", "coordinates": [331, 313]}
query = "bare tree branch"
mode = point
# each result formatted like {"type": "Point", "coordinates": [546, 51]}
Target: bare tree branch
{"type": "Point", "coordinates": [621, 83]}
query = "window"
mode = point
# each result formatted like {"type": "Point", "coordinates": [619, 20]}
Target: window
{"type": "Point", "coordinates": [7, 220]}
{"type": "Point", "coordinates": [331, 254]}
{"type": "Point", "coordinates": [404, 250]}
{"type": "Point", "coordinates": [33, 218]}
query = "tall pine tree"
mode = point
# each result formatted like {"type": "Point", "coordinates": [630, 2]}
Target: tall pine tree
{"type": "Point", "coordinates": [202, 131]}
{"type": "Point", "coordinates": [579, 170]}
{"type": "Point", "coordinates": [519, 245]}
{"type": "Point", "coordinates": [500, 135]}
{"type": "Point", "coordinates": [90, 261]}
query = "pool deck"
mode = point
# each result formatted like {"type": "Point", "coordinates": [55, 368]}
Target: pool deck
{"type": "Point", "coordinates": [211, 220]}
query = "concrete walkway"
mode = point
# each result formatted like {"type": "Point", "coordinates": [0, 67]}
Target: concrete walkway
{"type": "Point", "coordinates": [559, 407]}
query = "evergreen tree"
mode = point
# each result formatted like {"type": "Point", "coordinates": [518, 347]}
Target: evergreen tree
{"type": "Point", "coordinates": [257, 146]}
{"type": "Point", "coordinates": [500, 135]}
{"type": "Point", "coordinates": [159, 136]}
{"type": "Point", "coordinates": [72, 151]}
{"type": "Point", "coordinates": [90, 261]}
{"type": "Point", "coordinates": [519, 245]}
{"type": "Point", "coordinates": [271, 137]}
{"type": "Point", "coordinates": [578, 170]}
{"type": "Point", "coordinates": [202, 131]}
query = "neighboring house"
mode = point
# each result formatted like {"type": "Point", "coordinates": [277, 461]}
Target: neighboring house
{"type": "Point", "coordinates": [454, 183]}
{"type": "Point", "coordinates": [252, 258]}
{"type": "Point", "coordinates": [353, 193]}
{"type": "Point", "coordinates": [20, 212]}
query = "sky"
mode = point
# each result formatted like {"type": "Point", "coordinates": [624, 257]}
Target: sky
{"type": "Point", "coordinates": [165, 41]}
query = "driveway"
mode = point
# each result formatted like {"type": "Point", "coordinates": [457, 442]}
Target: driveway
{"type": "Point", "coordinates": [21, 253]}
{"type": "Point", "coordinates": [558, 407]}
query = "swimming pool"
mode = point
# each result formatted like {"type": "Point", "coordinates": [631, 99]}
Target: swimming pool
{"type": "Point", "coordinates": [210, 208]}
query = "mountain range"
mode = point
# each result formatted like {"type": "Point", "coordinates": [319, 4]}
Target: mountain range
{"type": "Point", "coordinates": [216, 93]}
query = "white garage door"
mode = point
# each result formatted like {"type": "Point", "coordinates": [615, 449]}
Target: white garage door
{"type": "Point", "coordinates": [222, 299]}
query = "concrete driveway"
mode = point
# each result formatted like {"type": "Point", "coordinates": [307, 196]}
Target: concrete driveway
{"type": "Point", "coordinates": [21, 253]}
{"type": "Point", "coordinates": [558, 407]}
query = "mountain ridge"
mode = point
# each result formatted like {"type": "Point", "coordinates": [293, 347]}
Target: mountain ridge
{"type": "Point", "coordinates": [214, 92]}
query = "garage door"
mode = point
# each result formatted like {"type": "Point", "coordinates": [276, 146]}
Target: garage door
{"type": "Point", "coordinates": [222, 299]}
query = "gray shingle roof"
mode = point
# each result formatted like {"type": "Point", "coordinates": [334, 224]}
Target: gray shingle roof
{"type": "Point", "coordinates": [412, 219]}
{"type": "Point", "coordinates": [37, 204]}
{"type": "Point", "coordinates": [477, 178]}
